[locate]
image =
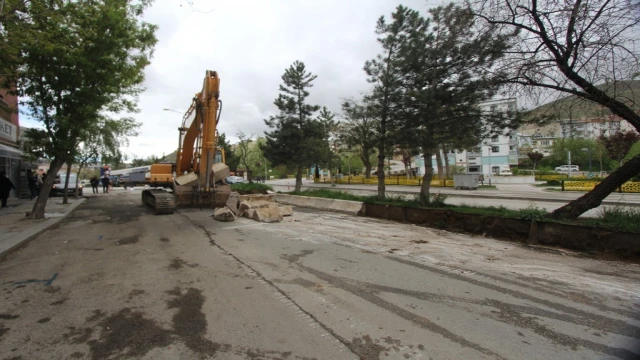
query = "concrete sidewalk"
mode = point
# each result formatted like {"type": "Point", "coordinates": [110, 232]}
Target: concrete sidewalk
{"type": "Point", "coordinates": [16, 230]}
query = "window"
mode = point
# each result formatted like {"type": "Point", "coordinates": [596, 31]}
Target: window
{"type": "Point", "coordinates": [494, 108]}
{"type": "Point", "coordinates": [545, 142]}
{"type": "Point", "coordinates": [495, 169]}
{"type": "Point", "coordinates": [495, 149]}
{"type": "Point", "coordinates": [511, 147]}
{"type": "Point", "coordinates": [474, 169]}
{"type": "Point", "coordinates": [494, 138]}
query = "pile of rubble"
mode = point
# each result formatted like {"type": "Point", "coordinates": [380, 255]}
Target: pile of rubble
{"type": "Point", "coordinates": [262, 208]}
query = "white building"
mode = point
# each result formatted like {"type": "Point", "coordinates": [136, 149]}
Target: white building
{"type": "Point", "coordinates": [492, 154]}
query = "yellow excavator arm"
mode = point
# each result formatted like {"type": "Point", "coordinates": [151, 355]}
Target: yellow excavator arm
{"type": "Point", "coordinates": [200, 164]}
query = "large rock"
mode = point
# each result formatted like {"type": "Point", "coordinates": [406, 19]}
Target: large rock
{"type": "Point", "coordinates": [232, 202]}
{"type": "Point", "coordinates": [258, 197]}
{"type": "Point", "coordinates": [285, 210]}
{"type": "Point", "coordinates": [249, 213]}
{"type": "Point", "coordinates": [224, 214]}
{"type": "Point", "coordinates": [246, 205]}
{"type": "Point", "coordinates": [267, 215]}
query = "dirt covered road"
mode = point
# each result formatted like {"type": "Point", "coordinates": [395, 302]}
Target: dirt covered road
{"type": "Point", "coordinates": [114, 281]}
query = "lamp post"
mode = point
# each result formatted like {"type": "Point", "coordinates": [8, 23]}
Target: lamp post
{"type": "Point", "coordinates": [588, 150]}
{"type": "Point", "coordinates": [175, 111]}
{"type": "Point", "coordinates": [569, 160]}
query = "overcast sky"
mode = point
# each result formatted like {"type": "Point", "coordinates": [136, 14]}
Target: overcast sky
{"type": "Point", "coordinates": [250, 43]}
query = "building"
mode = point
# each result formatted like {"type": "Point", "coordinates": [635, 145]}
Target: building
{"type": "Point", "coordinates": [491, 155]}
{"type": "Point", "coordinates": [10, 154]}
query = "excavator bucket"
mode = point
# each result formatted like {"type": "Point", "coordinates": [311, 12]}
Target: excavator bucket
{"type": "Point", "coordinates": [189, 194]}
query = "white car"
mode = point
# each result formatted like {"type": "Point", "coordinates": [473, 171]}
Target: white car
{"type": "Point", "coordinates": [565, 168]}
{"type": "Point", "coordinates": [234, 180]}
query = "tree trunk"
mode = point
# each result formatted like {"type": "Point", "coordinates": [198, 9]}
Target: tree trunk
{"type": "Point", "coordinates": [78, 179]}
{"type": "Point", "coordinates": [299, 179]}
{"type": "Point", "coordinates": [65, 195]}
{"type": "Point", "coordinates": [41, 202]}
{"type": "Point", "coordinates": [367, 167]}
{"type": "Point", "coordinates": [381, 186]}
{"type": "Point", "coordinates": [426, 180]}
{"type": "Point", "coordinates": [594, 198]}
{"type": "Point", "coordinates": [447, 170]}
{"type": "Point", "coordinates": [438, 164]}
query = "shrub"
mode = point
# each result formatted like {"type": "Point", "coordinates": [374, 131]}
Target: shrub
{"type": "Point", "coordinates": [532, 212]}
{"type": "Point", "coordinates": [619, 217]}
{"type": "Point", "coordinates": [438, 199]}
{"type": "Point", "coordinates": [255, 188]}
{"type": "Point", "coordinates": [554, 182]}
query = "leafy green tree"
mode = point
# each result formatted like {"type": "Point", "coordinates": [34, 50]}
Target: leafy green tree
{"type": "Point", "coordinates": [244, 153]}
{"type": "Point", "coordinates": [297, 139]}
{"type": "Point", "coordinates": [103, 139]}
{"type": "Point", "coordinates": [231, 159]}
{"type": "Point", "coordinates": [358, 131]}
{"type": "Point", "coordinates": [619, 144]}
{"type": "Point", "coordinates": [89, 59]}
{"type": "Point", "coordinates": [535, 158]}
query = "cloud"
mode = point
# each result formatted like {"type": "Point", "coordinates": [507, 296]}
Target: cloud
{"type": "Point", "coordinates": [250, 43]}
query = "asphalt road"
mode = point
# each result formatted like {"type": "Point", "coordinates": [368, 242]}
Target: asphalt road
{"type": "Point", "coordinates": [114, 281]}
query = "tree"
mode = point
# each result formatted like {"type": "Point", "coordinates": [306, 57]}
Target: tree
{"type": "Point", "coordinates": [89, 60]}
{"type": "Point", "coordinates": [447, 71]}
{"type": "Point", "coordinates": [297, 139]}
{"type": "Point", "coordinates": [103, 139]}
{"type": "Point", "coordinates": [383, 72]}
{"type": "Point", "coordinates": [358, 131]}
{"type": "Point", "coordinates": [245, 152]}
{"type": "Point", "coordinates": [231, 159]}
{"type": "Point", "coordinates": [535, 158]}
{"type": "Point", "coordinates": [619, 144]}
{"type": "Point", "coordinates": [570, 47]}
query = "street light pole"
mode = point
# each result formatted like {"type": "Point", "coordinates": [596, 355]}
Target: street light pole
{"type": "Point", "coordinates": [175, 111]}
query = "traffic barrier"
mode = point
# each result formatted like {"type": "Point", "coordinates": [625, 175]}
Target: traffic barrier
{"type": "Point", "coordinates": [325, 204]}
{"type": "Point", "coordinates": [577, 185]}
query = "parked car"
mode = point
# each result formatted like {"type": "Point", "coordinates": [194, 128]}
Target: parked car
{"type": "Point", "coordinates": [234, 180]}
{"type": "Point", "coordinates": [58, 186]}
{"type": "Point", "coordinates": [565, 168]}
{"type": "Point", "coordinates": [505, 172]}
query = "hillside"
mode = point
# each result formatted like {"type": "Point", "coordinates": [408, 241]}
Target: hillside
{"type": "Point", "coordinates": [573, 107]}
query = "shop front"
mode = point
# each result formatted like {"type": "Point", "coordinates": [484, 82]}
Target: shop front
{"type": "Point", "coordinates": [10, 155]}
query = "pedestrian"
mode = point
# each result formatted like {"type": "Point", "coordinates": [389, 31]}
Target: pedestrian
{"type": "Point", "coordinates": [31, 181]}
{"type": "Point", "coordinates": [105, 184]}
{"type": "Point", "coordinates": [5, 188]}
{"type": "Point", "coordinates": [94, 184]}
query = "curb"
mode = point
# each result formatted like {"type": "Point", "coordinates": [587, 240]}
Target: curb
{"type": "Point", "coordinates": [606, 202]}
{"type": "Point", "coordinates": [30, 234]}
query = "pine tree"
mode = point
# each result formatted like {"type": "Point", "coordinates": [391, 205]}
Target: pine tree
{"type": "Point", "coordinates": [297, 139]}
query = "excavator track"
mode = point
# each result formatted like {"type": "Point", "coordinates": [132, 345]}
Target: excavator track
{"type": "Point", "coordinates": [160, 201]}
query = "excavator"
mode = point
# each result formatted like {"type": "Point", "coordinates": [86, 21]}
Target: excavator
{"type": "Point", "coordinates": [197, 178]}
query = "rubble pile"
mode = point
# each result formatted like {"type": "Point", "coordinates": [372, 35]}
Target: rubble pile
{"type": "Point", "coordinates": [262, 208]}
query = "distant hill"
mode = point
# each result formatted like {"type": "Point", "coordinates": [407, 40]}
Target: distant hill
{"type": "Point", "coordinates": [172, 156]}
{"type": "Point", "coordinates": [573, 107]}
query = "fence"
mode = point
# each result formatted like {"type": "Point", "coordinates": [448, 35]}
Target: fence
{"type": "Point", "coordinates": [393, 180]}
{"type": "Point", "coordinates": [628, 187]}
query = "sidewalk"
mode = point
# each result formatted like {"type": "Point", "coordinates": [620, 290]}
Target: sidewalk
{"type": "Point", "coordinates": [16, 230]}
{"type": "Point", "coordinates": [503, 191]}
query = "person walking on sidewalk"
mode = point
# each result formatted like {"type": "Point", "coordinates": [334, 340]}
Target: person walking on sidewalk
{"type": "Point", "coordinates": [105, 184]}
{"type": "Point", "coordinates": [94, 184]}
{"type": "Point", "coordinates": [31, 180]}
{"type": "Point", "coordinates": [5, 188]}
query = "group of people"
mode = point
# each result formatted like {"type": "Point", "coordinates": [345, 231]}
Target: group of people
{"type": "Point", "coordinates": [35, 181]}
{"type": "Point", "coordinates": [95, 182]}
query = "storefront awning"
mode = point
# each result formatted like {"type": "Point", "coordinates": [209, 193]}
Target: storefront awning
{"type": "Point", "coordinates": [10, 152]}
